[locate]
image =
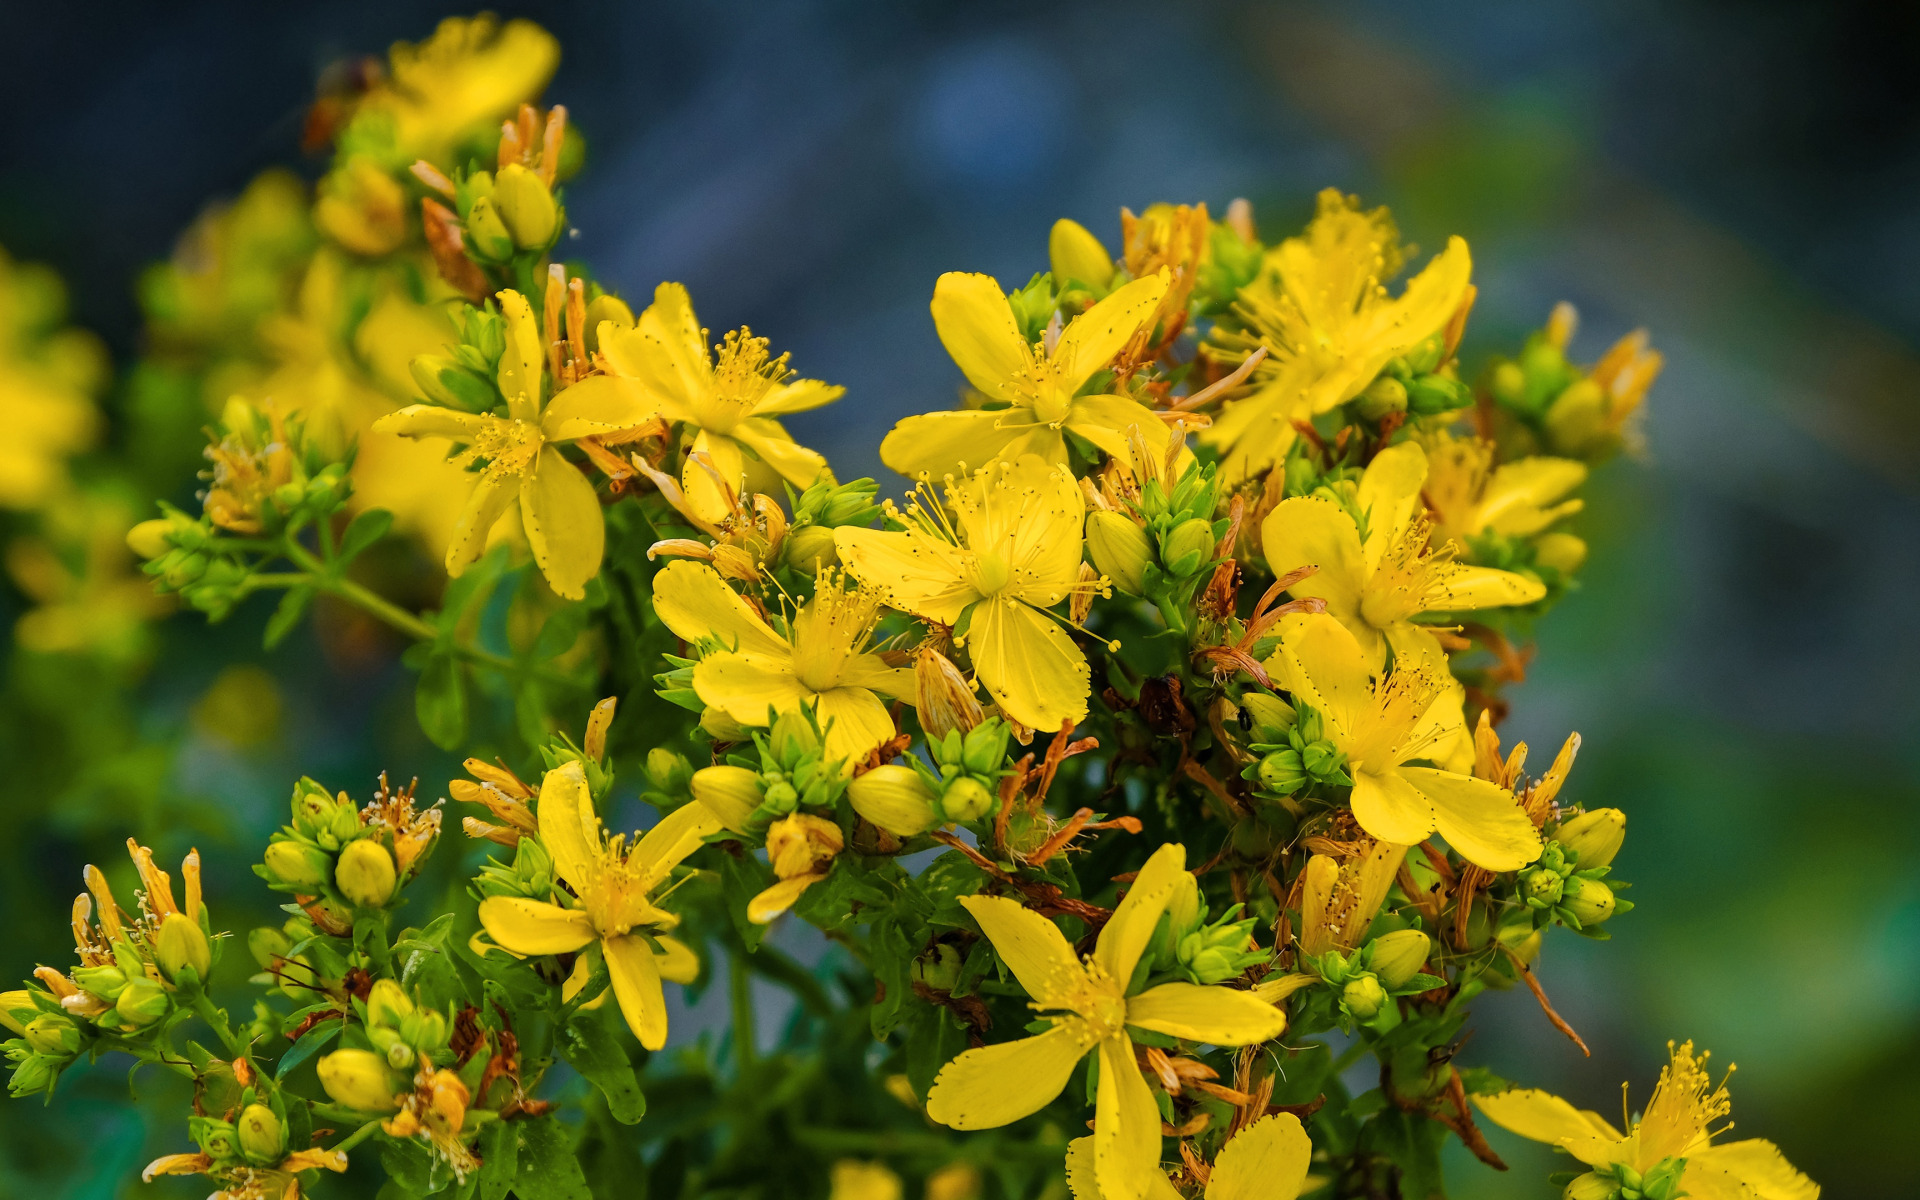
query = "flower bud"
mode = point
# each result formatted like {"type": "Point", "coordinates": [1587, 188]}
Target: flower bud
{"type": "Point", "coordinates": [487, 233]}
{"type": "Point", "coordinates": [50, 1034]}
{"type": "Point", "coordinates": [721, 727]}
{"type": "Point", "coordinates": [142, 1002]}
{"type": "Point", "coordinates": [104, 982]}
{"type": "Point", "coordinates": [1187, 547]}
{"type": "Point", "coordinates": [387, 1004]}
{"type": "Point", "coordinates": [968, 800]}
{"type": "Point", "coordinates": [984, 748]}
{"type": "Point", "coordinates": [1075, 254]}
{"type": "Point", "coordinates": [525, 205]}
{"type": "Point", "coordinates": [1576, 420]}
{"type": "Point", "coordinates": [1563, 552]}
{"type": "Point", "coordinates": [14, 1006]}
{"type": "Point", "coordinates": [667, 771]}
{"type": "Point", "coordinates": [1119, 550]}
{"type": "Point", "coordinates": [1591, 1186]}
{"type": "Point", "coordinates": [1541, 888]}
{"type": "Point", "coordinates": [180, 944]}
{"type": "Point", "coordinates": [1398, 956]}
{"type": "Point", "coordinates": [1183, 907]}
{"type": "Point", "coordinates": [793, 738]}
{"type": "Point", "coordinates": [298, 864]}
{"type": "Point", "coordinates": [1385, 395]}
{"type": "Point", "coordinates": [782, 797]}
{"type": "Point", "coordinates": [1281, 772]}
{"type": "Point", "coordinates": [263, 1139]}
{"type": "Point", "coordinates": [149, 539]}
{"type": "Point", "coordinates": [366, 874]}
{"type": "Point", "coordinates": [730, 793]}
{"type": "Point", "coordinates": [1593, 838]}
{"type": "Point", "coordinates": [895, 798]}
{"type": "Point", "coordinates": [1589, 900]}
{"type": "Point", "coordinates": [1270, 716]}
{"type": "Point", "coordinates": [446, 382]}
{"type": "Point", "coordinates": [1363, 997]}
{"type": "Point", "coordinates": [267, 944]}
{"type": "Point", "coordinates": [802, 845]}
{"type": "Point", "coordinates": [939, 968]}
{"type": "Point", "coordinates": [358, 1079]}
{"type": "Point", "coordinates": [1429, 394]}
{"type": "Point", "coordinates": [810, 548]}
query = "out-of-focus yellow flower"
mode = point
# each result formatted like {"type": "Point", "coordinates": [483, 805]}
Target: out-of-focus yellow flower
{"type": "Point", "coordinates": [1037, 386]}
{"type": "Point", "coordinates": [1671, 1143]}
{"type": "Point", "coordinates": [1321, 309]}
{"type": "Point", "coordinates": [612, 886]}
{"type": "Point", "coordinates": [1090, 1010]}
{"type": "Point", "coordinates": [362, 207]}
{"type": "Point", "coordinates": [856, 1180]}
{"type": "Point", "coordinates": [80, 575]}
{"type": "Point", "coordinates": [48, 378]}
{"type": "Point", "coordinates": [1265, 1161]}
{"type": "Point", "coordinates": [1469, 496]}
{"type": "Point", "coordinates": [1010, 551]}
{"type": "Point", "coordinates": [730, 398]}
{"type": "Point", "coordinates": [558, 506]}
{"type": "Point", "coordinates": [825, 666]}
{"type": "Point", "coordinates": [1376, 584]}
{"type": "Point", "coordinates": [472, 71]}
{"type": "Point", "coordinates": [235, 264]}
{"type": "Point", "coordinates": [1383, 725]}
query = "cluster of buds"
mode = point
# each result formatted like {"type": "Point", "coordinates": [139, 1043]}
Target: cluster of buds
{"type": "Point", "coordinates": [1293, 748]}
{"type": "Point", "coordinates": [337, 859]}
{"type": "Point", "coordinates": [503, 218]}
{"type": "Point", "coordinates": [792, 774]}
{"type": "Point", "coordinates": [822, 508]}
{"type": "Point", "coordinates": [1201, 951]}
{"type": "Point", "coordinates": [1568, 883]}
{"type": "Point", "coordinates": [1564, 409]}
{"type": "Point", "coordinates": [1364, 982]}
{"type": "Point", "coordinates": [1153, 531]}
{"type": "Point", "coordinates": [907, 799]}
{"type": "Point", "coordinates": [245, 1148]}
{"type": "Point", "coordinates": [1420, 383]}
{"type": "Point", "coordinates": [406, 1072]}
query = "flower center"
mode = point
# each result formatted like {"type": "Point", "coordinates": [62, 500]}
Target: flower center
{"type": "Point", "coordinates": [743, 374]}
{"type": "Point", "coordinates": [990, 572]}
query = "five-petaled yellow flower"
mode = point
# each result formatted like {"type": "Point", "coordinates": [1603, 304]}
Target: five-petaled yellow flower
{"type": "Point", "coordinates": [1382, 725]}
{"type": "Point", "coordinates": [1375, 583]}
{"type": "Point", "coordinates": [1674, 1127]}
{"type": "Point", "coordinates": [1320, 308]}
{"type": "Point", "coordinates": [1090, 1009]}
{"type": "Point", "coordinates": [521, 454]}
{"type": "Point", "coordinates": [1010, 550]}
{"type": "Point", "coordinates": [824, 666]}
{"type": "Point", "coordinates": [612, 886]}
{"type": "Point", "coordinates": [1469, 496]}
{"type": "Point", "coordinates": [1265, 1161]}
{"type": "Point", "coordinates": [1035, 388]}
{"type": "Point", "coordinates": [471, 71]}
{"type": "Point", "coordinates": [730, 398]}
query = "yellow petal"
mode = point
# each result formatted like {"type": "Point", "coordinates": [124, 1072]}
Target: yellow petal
{"type": "Point", "coordinates": [1125, 935]}
{"type": "Point", "coordinates": [916, 574]}
{"type": "Point", "coordinates": [1478, 818]}
{"type": "Point", "coordinates": [564, 527]}
{"type": "Point", "coordinates": [532, 927]}
{"type": "Point", "coordinates": [1110, 421]}
{"type": "Point", "coordinates": [1126, 1125]}
{"type": "Point", "coordinates": [666, 350]}
{"type": "Point", "coordinates": [493, 491]}
{"type": "Point", "coordinates": [764, 908]}
{"type": "Point", "coordinates": [1032, 669]}
{"type": "Point", "coordinates": [597, 404]}
{"type": "Point", "coordinates": [855, 720]}
{"type": "Point", "coordinates": [1457, 587]}
{"type": "Point", "coordinates": [746, 685]}
{"type": "Point", "coordinates": [1322, 662]}
{"type": "Point", "coordinates": [798, 395]}
{"type": "Point", "coordinates": [676, 961]}
{"type": "Point", "coordinates": [795, 463]}
{"type": "Point", "coordinates": [691, 599]}
{"type": "Point", "coordinates": [975, 324]}
{"type": "Point", "coordinates": [1390, 808]}
{"type": "Point", "coordinates": [430, 420]}
{"type": "Point", "coordinates": [1387, 492]}
{"type": "Point", "coordinates": [1255, 432]}
{"type": "Point", "coordinates": [1091, 339]}
{"type": "Point", "coordinates": [1275, 988]}
{"type": "Point", "coordinates": [1218, 1016]}
{"type": "Point", "coordinates": [999, 1084]}
{"type": "Point", "coordinates": [636, 985]}
{"type": "Point", "coordinates": [1542, 1116]}
{"type": "Point", "coordinates": [678, 834]}
{"type": "Point", "coordinates": [1073, 252]}
{"type": "Point", "coordinates": [569, 829]}
{"type": "Point", "coordinates": [1755, 1166]}
{"type": "Point", "coordinates": [701, 483]}
{"type": "Point", "coordinates": [938, 444]}
{"type": "Point", "coordinates": [1084, 1186]}
{"type": "Point", "coordinates": [1310, 531]}
{"type": "Point", "coordinates": [1033, 948]}
{"type": "Point", "coordinates": [1518, 494]}
{"type": "Point", "coordinates": [1265, 1161]}
{"type": "Point", "coordinates": [524, 360]}
{"type": "Point", "coordinates": [1029, 512]}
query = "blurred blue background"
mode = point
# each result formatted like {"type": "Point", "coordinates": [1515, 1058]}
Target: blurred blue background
{"type": "Point", "coordinates": [1741, 178]}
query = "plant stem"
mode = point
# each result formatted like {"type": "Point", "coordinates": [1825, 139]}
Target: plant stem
{"type": "Point", "coordinates": [216, 1020]}
{"type": "Point", "coordinates": [355, 1138]}
{"type": "Point", "coordinates": [740, 989]}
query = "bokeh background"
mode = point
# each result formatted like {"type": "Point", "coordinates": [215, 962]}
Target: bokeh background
{"type": "Point", "coordinates": [1743, 661]}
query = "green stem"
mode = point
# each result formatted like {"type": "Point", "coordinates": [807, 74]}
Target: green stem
{"type": "Point", "coordinates": [740, 989]}
{"type": "Point", "coordinates": [216, 1019]}
{"type": "Point", "coordinates": [355, 1138]}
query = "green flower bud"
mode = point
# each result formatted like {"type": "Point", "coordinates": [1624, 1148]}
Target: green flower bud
{"type": "Point", "coordinates": [1509, 384]}
{"type": "Point", "coordinates": [604, 308]}
{"type": "Point", "coordinates": [939, 968]}
{"type": "Point", "coordinates": [668, 772]}
{"type": "Point", "coordinates": [299, 865]}
{"type": "Point", "coordinates": [1398, 956]}
{"type": "Point", "coordinates": [366, 874]}
{"type": "Point", "coordinates": [793, 738]}
{"type": "Point", "coordinates": [1385, 395]}
{"type": "Point", "coordinates": [967, 800]}
{"type": "Point", "coordinates": [1561, 551]}
{"type": "Point", "coordinates": [1269, 715]}
{"type": "Point", "coordinates": [16, 1009]}
{"type": "Point", "coordinates": [895, 798]}
{"type": "Point", "coordinates": [1592, 1186]}
{"type": "Point", "coordinates": [1541, 888]}
{"type": "Point", "coordinates": [730, 793]}
{"type": "Point", "coordinates": [486, 233]}
{"type": "Point", "coordinates": [1590, 901]}
{"type": "Point", "coordinates": [782, 797]}
{"type": "Point", "coordinates": [983, 749]}
{"type": "Point", "coordinates": [263, 1139]}
{"type": "Point", "coordinates": [1187, 547]}
{"type": "Point", "coordinates": [359, 1079]}
{"type": "Point", "coordinates": [180, 944]}
{"type": "Point", "coordinates": [180, 571]}
{"type": "Point", "coordinates": [266, 944]}
{"type": "Point", "coordinates": [1074, 253]}
{"type": "Point", "coordinates": [151, 539]}
{"type": "Point", "coordinates": [104, 982]}
{"type": "Point", "coordinates": [1119, 550]}
{"type": "Point", "coordinates": [218, 1139]}
{"type": "Point", "coordinates": [445, 382]}
{"type": "Point", "coordinates": [36, 1073]}
{"type": "Point", "coordinates": [526, 206]}
{"type": "Point", "coordinates": [1281, 772]}
{"type": "Point", "coordinates": [1593, 838]}
{"type": "Point", "coordinates": [388, 1004]}
{"type": "Point", "coordinates": [810, 548]}
{"type": "Point", "coordinates": [425, 1029]}
{"type": "Point", "coordinates": [1429, 394]}
{"type": "Point", "coordinates": [50, 1034]}
{"type": "Point", "coordinates": [1322, 760]}
{"type": "Point", "coordinates": [142, 1002]}
{"type": "Point", "coordinates": [1363, 997]}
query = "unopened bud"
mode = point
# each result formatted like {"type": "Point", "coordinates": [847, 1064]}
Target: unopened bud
{"type": "Point", "coordinates": [267, 944]}
{"type": "Point", "coordinates": [1592, 1186]}
{"type": "Point", "coordinates": [1590, 901]}
{"type": "Point", "coordinates": [298, 864]}
{"type": "Point", "coordinates": [150, 539]}
{"type": "Point", "coordinates": [793, 738]}
{"type": "Point", "coordinates": [895, 798]}
{"type": "Point", "coordinates": [668, 772]}
{"type": "Point", "coordinates": [180, 944]}
{"type": "Point", "coordinates": [1269, 715]}
{"type": "Point", "coordinates": [388, 1004]}
{"type": "Point", "coordinates": [939, 968]}
{"type": "Point", "coordinates": [721, 727]}
{"type": "Point", "coordinates": [1281, 772]}
{"type": "Point", "coordinates": [358, 1079]}
{"type": "Point", "coordinates": [487, 233]}
{"type": "Point", "coordinates": [50, 1034]}
{"type": "Point", "coordinates": [810, 548]}
{"type": "Point", "coordinates": [1074, 253]}
{"type": "Point", "coordinates": [1385, 395]}
{"type": "Point", "coordinates": [1398, 956]}
{"type": "Point", "coordinates": [984, 749]}
{"type": "Point", "coordinates": [16, 1009]}
{"type": "Point", "coordinates": [1183, 907]}
{"type": "Point", "coordinates": [1593, 838]}
{"type": "Point", "coordinates": [1119, 550]}
{"type": "Point", "coordinates": [1429, 394]}
{"type": "Point", "coordinates": [366, 874]}
{"type": "Point", "coordinates": [730, 793]}
{"type": "Point", "coordinates": [142, 1002]}
{"type": "Point", "coordinates": [263, 1139]}
{"type": "Point", "coordinates": [104, 982]}
{"type": "Point", "coordinates": [968, 800]}
{"type": "Point", "coordinates": [802, 844]}
{"type": "Point", "coordinates": [1563, 552]}
{"type": "Point", "coordinates": [1541, 888]}
{"type": "Point", "coordinates": [782, 797]}
{"type": "Point", "coordinates": [525, 205]}
{"type": "Point", "coordinates": [446, 382]}
{"type": "Point", "coordinates": [1187, 547]}
{"type": "Point", "coordinates": [1576, 419]}
{"type": "Point", "coordinates": [1363, 997]}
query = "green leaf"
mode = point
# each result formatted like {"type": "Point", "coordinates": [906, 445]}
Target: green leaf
{"type": "Point", "coordinates": [440, 700]}
{"type": "Point", "coordinates": [499, 1159]}
{"type": "Point", "coordinates": [366, 529]}
{"type": "Point", "coordinates": [592, 1049]}
{"type": "Point", "coordinates": [309, 1044]}
{"type": "Point", "coordinates": [548, 1168]}
{"type": "Point", "coordinates": [286, 617]}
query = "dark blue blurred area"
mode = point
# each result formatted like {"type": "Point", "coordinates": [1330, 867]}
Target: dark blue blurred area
{"type": "Point", "coordinates": [1741, 178]}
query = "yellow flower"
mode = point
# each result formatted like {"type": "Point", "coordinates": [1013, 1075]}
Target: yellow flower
{"type": "Point", "coordinates": [1469, 496]}
{"type": "Point", "coordinates": [88, 596]}
{"type": "Point", "coordinates": [473, 70]}
{"type": "Point", "coordinates": [1320, 308]}
{"type": "Point", "coordinates": [558, 506]}
{"type": "Point", "coordinates": [278, 1182]}
{"type": "Point", "coordinates": [612, 885]}
{"type": "Point", "coordinates": [1037, 387]}
{"type": "Point", "coordinates": [1674, 1127]}
{"type": "Point", "coordinates": [1382, 725]}
{"type": "Point", "coordinates": [856, 1180]}
{"type": "Point", "coordinates": [1090, 1010]}
{"type": "Point", "coordinates": [824, 666]}
{"type": "Point", "coordinates": [1375, 583]}
{"type": "Point", "coordinates": [1010, 551]}
{"type": "Point", "coordinates": [1340, 897]}
{"type": "Point", "coordinates": [731, 398]}
{"type": "Point", "coordinates": [48, 378]}
{"type": "Point", "coordinates": [1265, 1161]}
